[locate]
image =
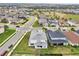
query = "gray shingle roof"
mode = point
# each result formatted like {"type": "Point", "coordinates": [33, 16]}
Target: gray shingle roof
{"type": "Point", "coordinates": [56, 34]}
{"type": "Point", "coordinates": [58, 37]}
{"type": "Point", "coordinates": [77, 31]}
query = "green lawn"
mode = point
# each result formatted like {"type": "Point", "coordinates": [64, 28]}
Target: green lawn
{"type": "Point", "coordinates": [24, 49]}
{"type": "Point", "coordinates": [73, 16]}
{"type": "Point", "coordinates": [6, 34]}
{"type": "Point", "coordinates": [36, 24]}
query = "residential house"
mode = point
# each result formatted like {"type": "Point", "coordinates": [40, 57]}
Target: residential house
{"type": "Point", "coordinates": [56, 38]}
{"type": "Point", "coordinates": [2, 29]}
{"type": "Point", "coordinates": [38, 39]}
{"type": "Point", "coordinates": [73, 38]}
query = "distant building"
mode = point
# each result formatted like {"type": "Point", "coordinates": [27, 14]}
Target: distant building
{"type": "Point", "coordinates": [56, 38]}
{"type": "Point", "coordinates": [14, 20]}
{"type": "Point", "coordinates": [43, 22]}
{"type": "Point", "coordinates": [65, 28]}
{"type": "Point", "coordinates": [72, 23]}
{"type": "Point", "coordinates": [38, 39]}
{"type": "Point", "coordinates": [53, 23]}
{"type": "Point", "coordinates": [1, 29]}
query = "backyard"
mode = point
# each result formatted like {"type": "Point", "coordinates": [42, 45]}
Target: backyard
{"type": "Point", "coordinates": [51, 50]}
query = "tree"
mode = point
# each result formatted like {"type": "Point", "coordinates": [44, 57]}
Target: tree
{"type": "Point", "coordinates": [72, 29]}
{"type": "Point", "coordinates": [4, 20]}
{"type": "Point", "coordinates": [66, 19]}
{"type": "Point", "coordinates": [70, 18]}
{"type": "Point", "coordinates": [6, 26]}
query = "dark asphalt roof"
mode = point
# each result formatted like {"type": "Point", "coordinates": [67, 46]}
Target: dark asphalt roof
{"type": "Point", "coordinates": [55, 34]}
{"type": "Point", "coordinates": [58, 35]}
{"type": "Point", "coordinates": [77, 31]}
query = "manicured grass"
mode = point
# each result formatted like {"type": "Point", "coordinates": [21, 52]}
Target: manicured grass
{"type": "Point", "coordinates": [73, 16]}
{"type": "Point", "coordinates": [6, 34]}
{"type": "Point", "coordinates": [36, 24]}
{"type": "Point", "coordinates": [23, 47]}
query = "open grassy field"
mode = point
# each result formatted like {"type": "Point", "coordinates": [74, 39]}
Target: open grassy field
{"type": "Point", "coordinates": [24, 49]}
{"type": "Point", "coordinates": [6, 34]}
{"type": "Point", "coordinates": [73, 16]}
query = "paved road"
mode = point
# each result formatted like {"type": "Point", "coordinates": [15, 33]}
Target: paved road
{"type": "Point", "coordinates": [17, 36]}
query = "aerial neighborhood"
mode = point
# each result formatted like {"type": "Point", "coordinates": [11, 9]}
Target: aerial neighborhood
{"type": "Point", "coordinates": [39, 29]}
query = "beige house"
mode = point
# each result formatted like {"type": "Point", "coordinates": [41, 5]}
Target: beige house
{"type": "Point", "coordinates": [1, 29]}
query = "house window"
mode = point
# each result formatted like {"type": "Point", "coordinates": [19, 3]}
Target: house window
{"type": "Point", "coordinates": [32, 44]}
{"type": "Point", "coordinates": [54, 44]}
{"type": "Point", "coordinates": [60, 44]}
{"type": "Point", "coordinates": [39, 46]}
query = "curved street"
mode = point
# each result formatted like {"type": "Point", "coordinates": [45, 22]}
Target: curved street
{"type": "Point", "coordinates": [19, 33]}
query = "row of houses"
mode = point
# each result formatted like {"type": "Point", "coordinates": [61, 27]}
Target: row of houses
{"type": "Point", "coordinates": [40, 39]}
{"type": "Point", "coordinates": [64, 38]}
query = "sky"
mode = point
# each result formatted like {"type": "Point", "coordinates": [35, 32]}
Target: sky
{"type": "Point", "coordinates": [41, 1]}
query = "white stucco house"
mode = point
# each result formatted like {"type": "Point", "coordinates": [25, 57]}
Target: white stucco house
{"type": "Point", "coordinates": [38, 39]}
{"type": "Point", "coordinates": [1, 29]}
{"type": "Point", "coordinates": [43, 21]}
{"type": "Point", "coordinates": [71, 23]}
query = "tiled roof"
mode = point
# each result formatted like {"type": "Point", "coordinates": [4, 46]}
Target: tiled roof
{"type": "Point", "coordinates": [72, 37]}
{"type": "Point", "coordinates": [77, 31]}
